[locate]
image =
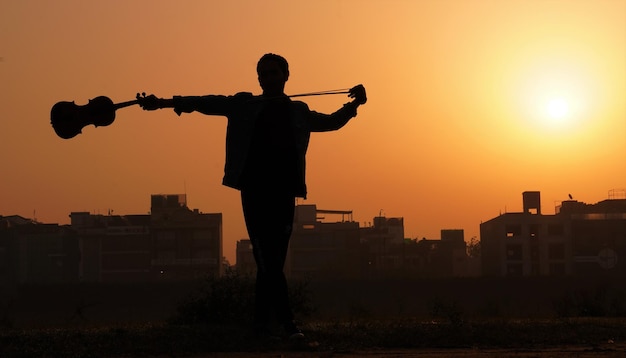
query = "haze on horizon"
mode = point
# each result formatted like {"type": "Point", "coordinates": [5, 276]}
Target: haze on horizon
{"type": "Point", "coordinates": [470, 103]}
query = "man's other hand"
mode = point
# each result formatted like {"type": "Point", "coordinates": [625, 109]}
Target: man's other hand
{"type": "Point", "coordinates": [149, 103]}
{"type": "Point", "coordinates": [358, 93]}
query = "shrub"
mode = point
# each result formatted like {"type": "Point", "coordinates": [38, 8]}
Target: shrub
{"type": "Point", "coordinates": [450, 310]}
{"type": "Point", "coordinates": [230, 300]}
{"type": "Point", "coordinates": [598, 301]}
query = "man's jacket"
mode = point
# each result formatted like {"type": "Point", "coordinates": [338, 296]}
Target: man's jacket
{"type": "Point", "coordinates": [242, 111]}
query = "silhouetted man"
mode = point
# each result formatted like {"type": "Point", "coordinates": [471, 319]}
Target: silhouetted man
{"type": "Point", "coordinates": [266, 142]}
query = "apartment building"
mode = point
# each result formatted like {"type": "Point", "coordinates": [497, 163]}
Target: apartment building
{"type": "Point", "coordinates": [186, 243]}
{"type": "Point", "coordinates": [579, 239]}
{"type": "Point", "coordinates": [171, 243]}
{"type": "Point", "coordinates": [33, 252]}
{"type": "Point", "coordinates": [324, 243]}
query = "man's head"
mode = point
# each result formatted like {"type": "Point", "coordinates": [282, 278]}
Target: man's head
{"type": "Point", "coordinates": [273, 72]}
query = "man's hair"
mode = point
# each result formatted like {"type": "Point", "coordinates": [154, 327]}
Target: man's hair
{"type": "Point", "coordinates": [280, 60]}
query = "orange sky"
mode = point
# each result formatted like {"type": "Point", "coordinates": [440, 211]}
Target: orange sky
{"type": "Point", "coordinates": [458, 123]}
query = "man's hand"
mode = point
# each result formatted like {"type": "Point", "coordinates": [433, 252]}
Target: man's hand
{"type": "Point", "coordinates": [358, 93]}
{"type": "Point", "coordinates": [149, 103]}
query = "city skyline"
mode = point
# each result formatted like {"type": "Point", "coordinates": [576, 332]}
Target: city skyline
{"type": "Point", "coordinates": [470, 103]}
{"type": "Point", "coordinates": [230, 246]}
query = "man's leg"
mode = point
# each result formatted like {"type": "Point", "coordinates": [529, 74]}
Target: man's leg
{"type": "Point", "coordinates": [269, 218]}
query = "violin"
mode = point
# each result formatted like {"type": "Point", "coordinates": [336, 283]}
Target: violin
{"type": "Point", "coordinates": [68, 119]}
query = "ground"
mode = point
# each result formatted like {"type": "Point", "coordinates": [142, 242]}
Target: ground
{"type": "Point", "coordinates": [609, 350]}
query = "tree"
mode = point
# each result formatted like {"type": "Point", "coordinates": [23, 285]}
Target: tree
{"type": "Point", "coordinates": [473, 248]}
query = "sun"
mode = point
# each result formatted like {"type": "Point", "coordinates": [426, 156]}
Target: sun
{"type": "Point", "coordinates": [557, 109]}
{"type": "Point", "coordinates": [554, 99]}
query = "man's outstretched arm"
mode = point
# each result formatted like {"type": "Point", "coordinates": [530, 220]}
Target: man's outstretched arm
{"type": "Point", "coordinates": [210, 104]}
{"type": "Point", "coordinates": [152, 102]}
{"type": "Point", "coordinates": [329, 122]}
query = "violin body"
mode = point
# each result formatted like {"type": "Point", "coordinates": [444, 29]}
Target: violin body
{"type": "Point", "coordinates": [68, 119]}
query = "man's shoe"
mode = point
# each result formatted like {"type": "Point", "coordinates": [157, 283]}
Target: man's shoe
{"type": "Point", "coordinates": [296, 336]}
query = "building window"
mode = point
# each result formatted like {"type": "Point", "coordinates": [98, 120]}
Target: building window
{"type": "Point", "coordinates": [514, 252]}
{"type": "Point", "coordinates": [533, 231]}
{"type": "Point", "coordinates": [513, 230]}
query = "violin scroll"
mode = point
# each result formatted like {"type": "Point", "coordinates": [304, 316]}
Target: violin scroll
{"type": "Point", "coordinates": [149, 103]}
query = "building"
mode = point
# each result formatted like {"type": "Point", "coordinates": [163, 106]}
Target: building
{"type": "Point", "coordinates": [445, 257]}
{"type": "Point", "coordinates": [32, 252]}
{"type": "Point", "coordinates": [323, 247]}
{"type": "Point", "coordinates": [186, 243]}
{"type": "Point", "coordinates": [171, 243]}
{"type": "Point", "coordinates": [319, 246]}
{"type": "Point", "coordinates": [114, 248]}
{"type": "Point", "coordinates": [453, 253]}
{"type": "Point", "coordinates": [329, 244]}
{"type": "Point", "coordinates": [245, 258]}
{"type": "Point", "coordinates": [579, 239]}
{"type": "Point", "coordinates": [384, 246]}
{"type": "Point", "coordinates": [597, 233]}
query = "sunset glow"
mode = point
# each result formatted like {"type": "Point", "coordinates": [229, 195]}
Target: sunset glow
{"type": "Point", "coordinates": [558, 109]}
{"type": "Point", "coordinates": [470, 103]}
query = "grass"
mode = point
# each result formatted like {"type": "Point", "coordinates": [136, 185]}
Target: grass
{"type": "Point", "coordinates": [348, 317]}
{"type": "Point", "coordinates": [341, 336]}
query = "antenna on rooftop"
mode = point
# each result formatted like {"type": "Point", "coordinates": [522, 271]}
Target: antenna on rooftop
{"type": "Point", "coordinates": [617, 193]}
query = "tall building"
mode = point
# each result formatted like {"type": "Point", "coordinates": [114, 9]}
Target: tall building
{"type": "Point", "coordinates": [579, 239]}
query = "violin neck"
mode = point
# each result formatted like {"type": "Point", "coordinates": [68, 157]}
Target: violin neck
{"type": "Point", "coordinates": [125, 104]}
